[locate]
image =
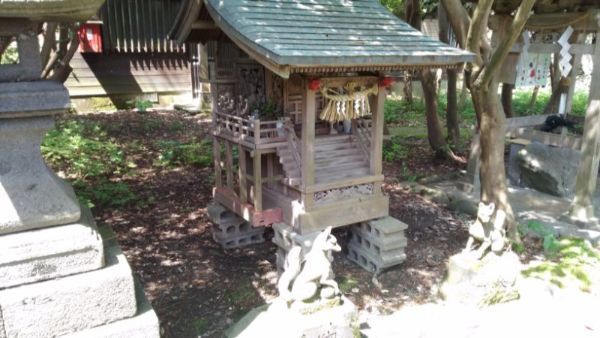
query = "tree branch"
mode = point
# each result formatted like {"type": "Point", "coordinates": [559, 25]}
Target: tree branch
{"type": "Point", "coordinates": [49, 42]}
{"type": "Point", "coordinates": [459, 20]}
{"type": "Point", "coordinates": [506, 44]}
{"type": "Point", "coordinates": [478, 27]}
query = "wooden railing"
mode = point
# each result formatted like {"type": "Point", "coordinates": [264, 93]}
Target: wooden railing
{"type": "Point", "coordinates": [252, 131]}
{"type": "Point", "coordinates": [362, 136]}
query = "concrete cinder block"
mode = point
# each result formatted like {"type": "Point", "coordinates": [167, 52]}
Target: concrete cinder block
{"type": "Point", "coordinates": [70, 304]}
{"type": "Point", "coordinates": [374, 263]}
{"type": "Point", "coordinates": [231, 230]}
{"type": "Point", "coordinates": [377, 244]}
{"type": "Point", "coordinates": [37, 255]}
{"type": "Point", "coordinates": [383, 242]}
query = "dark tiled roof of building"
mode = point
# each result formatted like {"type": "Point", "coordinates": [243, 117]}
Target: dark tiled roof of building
{"type": "Point", "coordinates": [309, 33]}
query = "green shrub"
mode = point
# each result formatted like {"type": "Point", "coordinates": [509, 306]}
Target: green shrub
{"type": "Point", "coordinates": [570, 263]}
{"type": "Point", "coordinates": [142, 105]}
{"type": "Point", "coordinates": [10, 55]}
{"type": "Point", "coordinates": [82, 150]}
{"type": "Point", "coordinates": [88, 157]}
{"type": "Point", "coordinates": [394, 150]}
{"type": "Point", "coordinates": [580, 103]}
{"type": "Point", "coordinates": [392, 110]}
{"type": "Point", "coordinates": [104, 193]}
{"type": "Point", "coordinates": [194, 153]}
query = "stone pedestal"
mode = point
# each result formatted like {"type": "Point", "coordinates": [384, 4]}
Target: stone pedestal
{"type": "Point", "coordinates": [31, 196]}
{"type": "Point", "coordinates": [37, 255]}
{"type": "Point", "coordinates": [277, 320]}
{"type": "Point", "coordinates": [57, 275]}
{"type": "Point", "coordinates": [475, 282]}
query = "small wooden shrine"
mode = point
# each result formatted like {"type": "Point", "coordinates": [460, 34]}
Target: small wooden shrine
{"type": "Point", "coordinates": [298, 90]}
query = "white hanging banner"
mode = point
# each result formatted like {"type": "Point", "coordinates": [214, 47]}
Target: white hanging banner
{"type": "Point", "coordinates": [533, 68]}
{"type": "Point", "coordinates": [565, 55]}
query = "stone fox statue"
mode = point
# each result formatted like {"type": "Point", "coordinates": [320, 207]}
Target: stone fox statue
{"type": "Point", "coordinates": [308, 274]}
{"type": "Point", "coordinates": [491, 235]}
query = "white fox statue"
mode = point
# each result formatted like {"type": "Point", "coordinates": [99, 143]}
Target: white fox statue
{"type": "Point", "coordinates": [303, 276]}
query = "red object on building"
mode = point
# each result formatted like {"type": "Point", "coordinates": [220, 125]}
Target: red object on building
{"type": "Point", "coordinates": [386, 82]}
{"type": "Point", "coordinates": [314, 84]}
{"type": "Point", "coordinates": [90, 38]}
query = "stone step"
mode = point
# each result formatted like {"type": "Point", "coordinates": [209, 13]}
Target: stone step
{"type": "Point", "coordinates": [143, 324]}
{"type": "Point", "coordinates": [42, 254]}
{"type": "Point", "coordinates": [70, 304]}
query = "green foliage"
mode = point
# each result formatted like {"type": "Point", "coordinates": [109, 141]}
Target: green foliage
{"type": "Point", "coordinates": [104, 193]}
{"type": "Point", "coordinates": [394, 6]}
{"type": "Point", "coordinates": [571, 259]}
{"type": "Point", "coordinates": [267, 110]}
{"type": "Point", "coordinates": [408, 175]}
{"type": "Point", "coordinates": [397, 111]}
{"type": "Point", "coordinates": [82, 150]}
{"type": "Point", "coordinates": [580, 103]}
{"type": "Point", "coordinates": [200, 325]}
{"type": "Point", "coordinates": [173, 153]}
{"type": "Point", "coordinates": [499, 293]}
{"type": "Point", "coordinates": [10, 55]}
{"type": "Point", "coordinates": [549, 240]}
{"type": "Point", "coordinates": [394, 150]}
{"type": "Point", "coordinates": [87, 156]}
{"type": "Point", "coordinates": [522, 99]}
{"type": "Point", "coordinates": [346, 284]}
{"type": "Point", "coordinates": [142, 105]}
{"type": "Point", "coordinates": [518, 248]}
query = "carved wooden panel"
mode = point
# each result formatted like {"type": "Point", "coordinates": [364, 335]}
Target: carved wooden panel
{"type": "Point", "coordinates": [251, 82]}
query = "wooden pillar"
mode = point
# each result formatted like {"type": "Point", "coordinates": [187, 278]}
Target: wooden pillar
{"type": "Point", "coordinates": [582, 208]}
{"type": "Point", "coordinates": [242, 174]}
{"type": "Point", "coordinates": [257, 172]}
{"type": "Point", "coordinates": [377, 131]}
{"type": "Point", "coordinates": [308, 142]}
{"type": "Point", "coordinates": [229, 166]}
{"type": "Point", "coordinates": [270, 169]}
{"type": "Point", "coordinates": [308, 137]}
{"type": "Point", "coordinates": [217, 162]}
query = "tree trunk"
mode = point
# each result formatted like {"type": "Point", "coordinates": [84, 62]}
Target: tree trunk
{"type": "Point", "coordinates": [452, 110]}
{"type": "Point", "coordinates": [483, 83]}
{"type": "Point", "coordinates": [507, 98]}
{"type": "Point", "coordinates": [435, 134]}
{"type": "Point", "coordinates": [451, 94]}
{"type": "Point", "coordinates": [533, 99]}
{"type": "Point", "coordinates": [492, 172]}
{"type": "Point", "coordinates": [561, 87]}
{"type": "Point", "coordinates": [408, 94]}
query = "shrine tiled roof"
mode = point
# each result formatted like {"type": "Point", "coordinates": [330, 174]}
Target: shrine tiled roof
{"type": "Point", "coordinates": [303, 34]}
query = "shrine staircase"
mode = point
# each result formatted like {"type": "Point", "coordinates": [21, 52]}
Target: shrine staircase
{"type": "Point", "coordinates": [337, 157]}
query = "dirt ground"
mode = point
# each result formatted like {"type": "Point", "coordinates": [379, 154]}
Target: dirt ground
{"type": "Point", "coordinates": [197, 288]}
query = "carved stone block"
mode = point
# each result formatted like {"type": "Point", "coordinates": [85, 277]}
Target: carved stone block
{"type": "Point", "coordinates": [37, 255]}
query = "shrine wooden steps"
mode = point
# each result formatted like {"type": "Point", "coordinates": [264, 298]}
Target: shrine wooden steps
{"type": "Point", "coordinates": [336, 157]}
